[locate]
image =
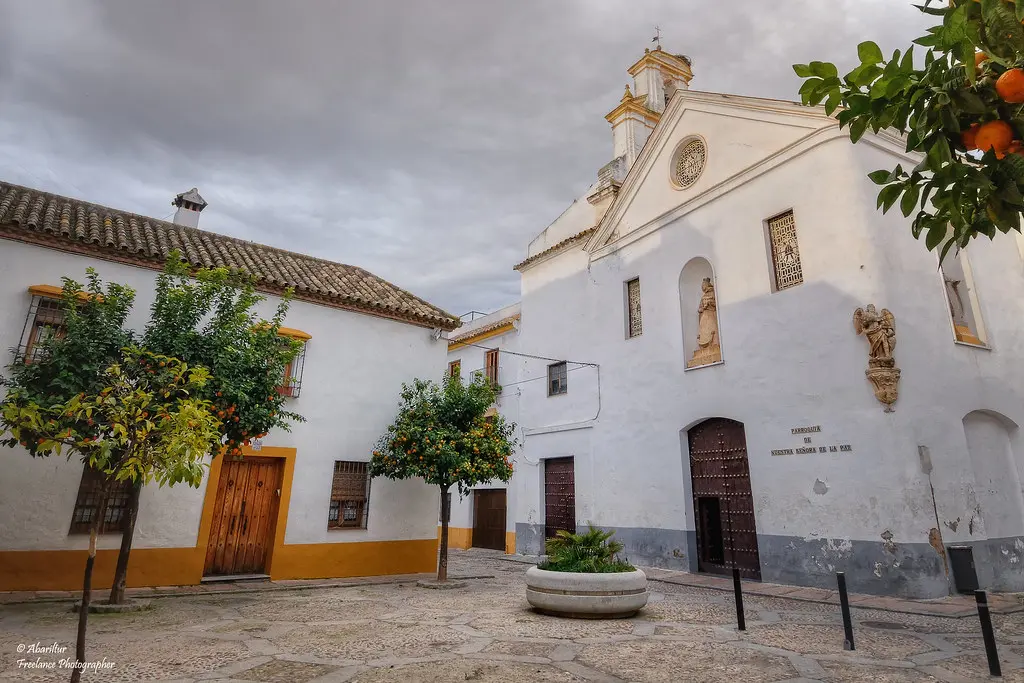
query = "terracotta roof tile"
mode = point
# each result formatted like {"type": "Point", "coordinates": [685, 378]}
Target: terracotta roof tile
{"type": "Point", "coordinates": [568, 241]}
{"type": "Point", "coordinates": [73, 225]}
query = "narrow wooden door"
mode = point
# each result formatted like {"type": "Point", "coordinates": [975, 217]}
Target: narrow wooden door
{"type": "Point", "coordinates": [489, 518]}
{"type": "Point", "coordinates": [559, 496]}
{"type": "Point", "coordinates": [244, 517]}
{"type": "Point", "coordinates": [722, 499]}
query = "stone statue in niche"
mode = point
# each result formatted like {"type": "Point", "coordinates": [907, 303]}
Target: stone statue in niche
{"type": "Point", "coordinates": [880, 331]}
{"type": "Point", "coordinates": [708, 348]}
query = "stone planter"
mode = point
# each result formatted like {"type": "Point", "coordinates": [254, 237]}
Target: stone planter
{"type": "Point", "coordinates": [586, 596]}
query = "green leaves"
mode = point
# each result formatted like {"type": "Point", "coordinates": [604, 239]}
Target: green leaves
{"type": "Point", "coordinates": [932, 106]}
{"type": "Point", "coordinates": [869, 52]}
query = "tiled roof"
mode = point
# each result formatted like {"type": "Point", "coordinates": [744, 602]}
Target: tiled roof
{"type": "Point", "coordinates": [73, 225]}
{"type": "Point", "coordinates": [483, 329]}
{"type": "Point", "coordinates": [557, 247]}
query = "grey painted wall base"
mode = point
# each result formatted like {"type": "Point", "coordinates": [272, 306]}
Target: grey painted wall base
{"type": "Point", "coordinates": [912, 570]}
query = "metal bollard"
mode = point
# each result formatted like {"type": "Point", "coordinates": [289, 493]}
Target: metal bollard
{"type": "Point", "coordinates": [981, 597]}
{"type": "Point", "coordinates": [844, 605]}
{"type": "Point", "coordinates": [741, 622]}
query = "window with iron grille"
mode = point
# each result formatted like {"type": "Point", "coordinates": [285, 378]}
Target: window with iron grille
{"type": "Point", "coordinates": [292, 382]}
{"type": "Point", "coordinates": [45, 321]}
{"type": "Point", "coordinates": [557, 379]}
{"type": "Point", "coordinates": [350, 496]}
{"type": "Point", "coordinates": [491, 365]}
{"type": "Point", "coordinates": [87, 504]}
{"type": "Point", "coordinates": [635, 320]}
{"type": "Point", "coordinates": [455, 368]}
{"type": "Point", "coordinates": [785, 251]}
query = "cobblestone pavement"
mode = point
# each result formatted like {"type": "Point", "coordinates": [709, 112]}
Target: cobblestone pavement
{"type": "Point", "coordinates": [485, 632]}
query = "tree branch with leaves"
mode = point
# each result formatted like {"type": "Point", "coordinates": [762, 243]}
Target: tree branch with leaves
{"type": "Point", "coordinates": [963, 111]}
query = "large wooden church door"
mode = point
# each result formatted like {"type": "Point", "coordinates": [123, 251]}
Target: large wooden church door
{"type": "Point", "coordinates": [722, 499]}
{"type": "Point", "coordinates": [245, 515]}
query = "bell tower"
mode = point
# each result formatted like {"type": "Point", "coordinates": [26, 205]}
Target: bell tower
{"type": "Point", "coordinates": [656, 77]}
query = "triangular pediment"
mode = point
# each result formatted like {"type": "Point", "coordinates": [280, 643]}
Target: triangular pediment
{"type": "Point", "coordinates": [737, 135]}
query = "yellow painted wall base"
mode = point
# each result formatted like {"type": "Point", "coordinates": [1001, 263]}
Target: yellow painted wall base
{"type": "Point", "coordinates": [61, 570]}
{"type": "Point", "coordinates": [458, 537]}
{"type": "Point", "coordinates": [510, 543]}
{"type": "Point", "coordinates": [339, 560]}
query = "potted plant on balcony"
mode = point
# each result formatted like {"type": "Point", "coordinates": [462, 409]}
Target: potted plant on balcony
{"type": "Point", "coordinates": [584, 578]}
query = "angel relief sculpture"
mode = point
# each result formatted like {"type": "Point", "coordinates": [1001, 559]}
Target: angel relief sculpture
{"type": "Point", "coordinates": [880, 331]}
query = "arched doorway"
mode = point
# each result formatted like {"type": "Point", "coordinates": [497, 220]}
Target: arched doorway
{"type": "Point", "coordinates": [722, 500]}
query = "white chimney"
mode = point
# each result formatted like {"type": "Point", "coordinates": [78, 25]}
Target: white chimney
{"type": "Point", "coordinates": [190, 205]}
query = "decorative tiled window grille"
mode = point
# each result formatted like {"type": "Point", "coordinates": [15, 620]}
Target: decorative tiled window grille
{"type": "Point", "coordinates": [785, 251]}
{"type": "Point", "coordinates": [350, 494]}
{"type": "Point", "coordinates": [45, 320]}
{"type": "Point", "coordinates": [557, 379]}
{"type": "Point", "coordinates": [87, 504]}
{"type": "Point", "coordinates": [292, 382]}
{"type": "Point", "coordinates": [636, 325]}
{"type": "Point", "coordinates": [689, 162]}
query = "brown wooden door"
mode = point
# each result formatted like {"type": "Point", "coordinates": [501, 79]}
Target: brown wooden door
{"type": "Point", "coordinates": [244, 517]}
{"type": "Point", "coordinates": [722, 499]}
{"type": "Point", "coordinates": [489, 518]}
{"type": "Point", "coordinates": [559, 496]}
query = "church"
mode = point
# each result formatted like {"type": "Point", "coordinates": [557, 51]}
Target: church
{"type": "Point", "coordinates": [729, 357]}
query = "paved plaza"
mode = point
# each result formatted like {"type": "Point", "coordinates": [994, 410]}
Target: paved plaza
{"type": "Point", "coordinates": [487, 633]}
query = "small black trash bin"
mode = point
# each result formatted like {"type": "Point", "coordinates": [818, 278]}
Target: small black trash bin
{"type": "Point", "coordinates": [961, 561]}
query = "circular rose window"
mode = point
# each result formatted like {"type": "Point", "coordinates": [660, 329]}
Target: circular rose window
{"type": "Point", "coordinates": [689, 162]}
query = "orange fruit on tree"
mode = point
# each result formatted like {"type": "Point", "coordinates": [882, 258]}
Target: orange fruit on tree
{"type": "Point", "coordinates": [996, 135]}
{"type": "Point", "coordinates": [969, 137]}
{"type": "Point", "coordinates": [1010, 86]}
{"type": "Point", "coordinates": [979, 58]}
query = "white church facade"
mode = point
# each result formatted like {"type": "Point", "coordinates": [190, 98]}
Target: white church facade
{"type": "Point", "coordinates": [761, 369]}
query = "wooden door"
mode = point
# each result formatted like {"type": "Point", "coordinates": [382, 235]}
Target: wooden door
{"type": "Point", "coordinates": [559, 496]}
{"type": "Point", "coordinates": [722, 499]}
{"type": "Point", "coordinates": [245, 515]}
{"type": "Point", "coordinates": [489, 518]}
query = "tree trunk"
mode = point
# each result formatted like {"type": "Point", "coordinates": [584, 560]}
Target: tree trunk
{"type": "Point", "coordinates": [121, 572]}
{"type": "Point", "coordinates": [442, 562]}
{"type": "Point", "coordinates": [83, 613]}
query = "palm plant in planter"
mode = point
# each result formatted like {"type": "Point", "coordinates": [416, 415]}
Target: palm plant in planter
{"type": "Point", "coordinates": [584, 577]}
{"type": "Point", "coordinates": [592, 552]}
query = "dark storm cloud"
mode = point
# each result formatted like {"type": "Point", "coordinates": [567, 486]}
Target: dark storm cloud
{"type": "Point", "coordinates": [427, 142]}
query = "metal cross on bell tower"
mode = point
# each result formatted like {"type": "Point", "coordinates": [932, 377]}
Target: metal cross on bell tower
{"type": "Point", "coordinates": [657, 37]}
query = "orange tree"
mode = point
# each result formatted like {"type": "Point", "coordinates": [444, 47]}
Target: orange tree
{"type": "Point", "coordinates": [441, 435]}
{"type": "Point", "coordinates": [963, 110]}
{"type": "Point", "coordinates": [141, 421]}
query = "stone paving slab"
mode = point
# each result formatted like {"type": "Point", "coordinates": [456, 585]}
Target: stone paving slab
{"type": "Point", "coordinates": [374, 631]}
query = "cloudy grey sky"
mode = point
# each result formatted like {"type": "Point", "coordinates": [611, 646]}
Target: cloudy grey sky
{"type": "Point", "coordinates": [425, 141]}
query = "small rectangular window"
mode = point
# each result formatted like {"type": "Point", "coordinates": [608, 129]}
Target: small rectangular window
{"type": "Point", "coordinates": [45, 321]}
{"type": "Point", "coordinates": [963, 299]}
{"type": "Point", "coordinates": [635, 326]}
{"type": "Point", "coordinates": [557, 379]}
{"type": "Point", "coordinates": [350, 495]}
{"type": "Point", "coordinates": [491, 365]}
{"type": "Point", "coordinates": [88, 501]}
{"type": "Point", "coordinates": [292, 381]}
{"type": "Point", "coordinates": [455, 368]}
{"type": "Point", "coordinates": [785, 251]}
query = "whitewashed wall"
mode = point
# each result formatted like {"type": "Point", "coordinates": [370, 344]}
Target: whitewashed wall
{"type": "Point", "coordinates": [791, 359]}
{"type": "Point", "coordinates": [354, 367]}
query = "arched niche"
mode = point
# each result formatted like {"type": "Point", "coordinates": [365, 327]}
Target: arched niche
{"type": "Point", "coordinates": [691, 293]}
{"type": "Point", "coordinates": [991, 439]}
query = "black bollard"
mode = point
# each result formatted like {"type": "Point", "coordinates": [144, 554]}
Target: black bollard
{"type": "Point", "coordinates": [986, 633]}
{"type": "Point", "coordinates": [741, 622]}
{"type": "Point", "coordinates": [844, 605]}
